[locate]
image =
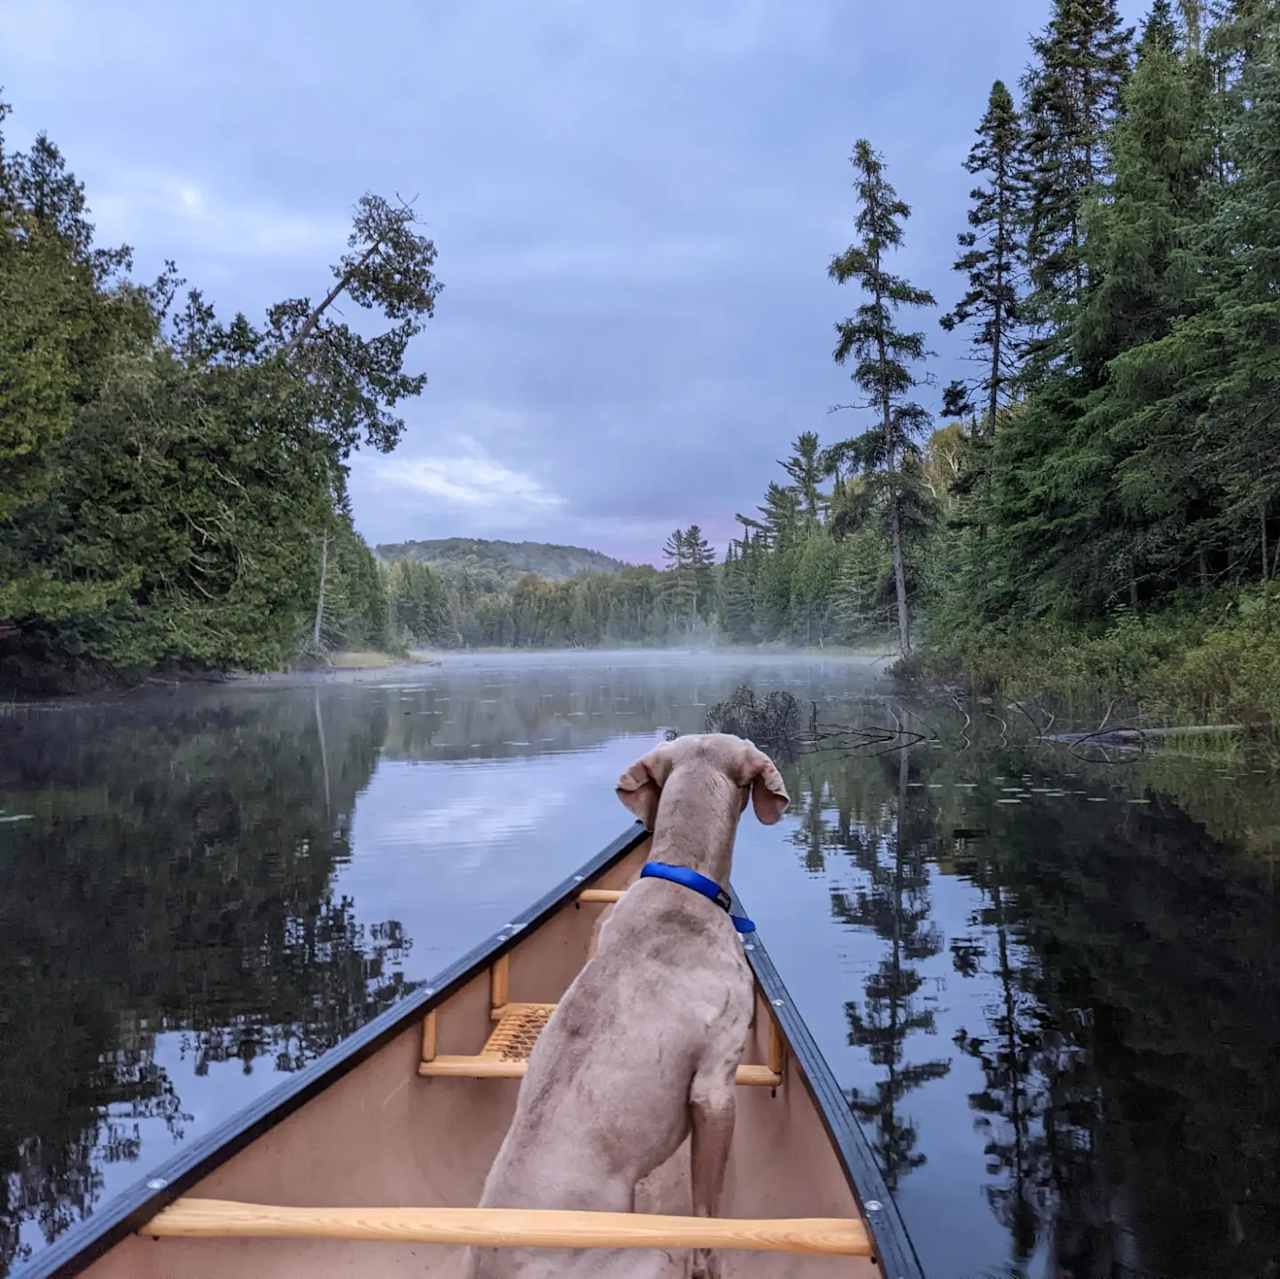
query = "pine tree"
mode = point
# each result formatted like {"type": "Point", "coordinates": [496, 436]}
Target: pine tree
{"type": "Point", "coordinates": [882, 355]}
{"type": "Point", "coordinates": [806, 470]}
{"type": "Point", "coordinates": [992, 259]}
{"type": "Point", "coordinates": [781, 511]}
{"type": "Point", "coordinates": [1071, 92]}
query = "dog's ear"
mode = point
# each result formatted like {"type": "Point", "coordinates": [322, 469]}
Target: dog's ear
{"type": "Point", "coordinates": [768, 793]}
{"type": "Point", "coordinates": [640, 785]}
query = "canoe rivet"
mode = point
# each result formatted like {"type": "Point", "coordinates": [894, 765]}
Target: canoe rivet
{"type": "Point", "coordinates": [873, 1205]}
{"type": "Point", "coordinates": [577, 879]}
{"type": "Point", "coordinates": [746, 945]}
{"type": "Point", "coordinates": [777, 1003]}
{"type": "Point", "coordinates": [157, 1183]}
{"type": "Point", "coordinates": [430, 990]}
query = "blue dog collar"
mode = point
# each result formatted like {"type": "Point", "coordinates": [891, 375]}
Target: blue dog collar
{"type": "Point", "coordinates": [700, 884]}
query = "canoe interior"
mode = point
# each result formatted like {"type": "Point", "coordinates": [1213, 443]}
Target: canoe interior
{"type": "Point", "coordinates": [382, 1136]}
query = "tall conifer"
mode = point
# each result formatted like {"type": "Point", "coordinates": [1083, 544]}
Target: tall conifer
{"type": "Point", "coordinates": [883, 355]}
{"type": "Point", "coordinates": [991, 260]}
{"type": "Point", "coordinates": [1072, 91]}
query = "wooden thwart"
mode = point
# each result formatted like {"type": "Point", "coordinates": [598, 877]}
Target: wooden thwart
{"type": "Point", "coordinates": [601, 895]}
{"type": "Point", "coordinates": [508, 1227]}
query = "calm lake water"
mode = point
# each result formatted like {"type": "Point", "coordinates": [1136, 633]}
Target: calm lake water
{"type": "Point", "coordinates": [1050, 985]}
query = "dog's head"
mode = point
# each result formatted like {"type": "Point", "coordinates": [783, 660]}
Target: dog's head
{"type": "Point", "coordinates": [706, 761]}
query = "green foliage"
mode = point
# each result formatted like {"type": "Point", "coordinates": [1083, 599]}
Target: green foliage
{"type": "Point", "coordinates": [1218, 662]}
{"type": "Point", "coordinates": [1131, 496]}
{"type": "Point", "coordinates": [1159, 31]}
{"type": "Point", "coordinates": [170, 485]}
{"type": "Point", "coordinates": [807, 471]}
{"type": "Point", "coordinates": [457, 605]}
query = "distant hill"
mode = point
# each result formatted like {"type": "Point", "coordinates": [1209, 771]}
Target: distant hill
{"type": "Point", "coordinates": [508, 559]}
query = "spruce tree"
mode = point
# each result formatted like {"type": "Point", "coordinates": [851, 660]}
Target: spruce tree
{"type": "Point", "coordinates": [736, 597]}
{"type": "Point", "coordinates": [700, 560]}
{"type": "Point", "coordinates": [1159, 30]}
{"type": "Point", "coordinates": [1245, 442]}
{"type": "Point", "coordinates": [991, 260]}
{"type": "Point", "coordinates": [677, 588]}
{"type": "Point", "coordinates": [1100, 499]}
{"type": "Point", "coordinates": [1072, 91]}
{"type": "Point", "coordinates": [882, 354]}
{"type": "Point", "coordinates": [1143, 231]}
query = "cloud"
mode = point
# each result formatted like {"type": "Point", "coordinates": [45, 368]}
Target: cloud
{"type": "Point", "coordinates": [640, 262]}
{"type": "Point", "coordinates": [202, 221]}
{"type": "Point", "coordinates": [471, 483]}
{"type": "Point", "coordinates": [634, 206]}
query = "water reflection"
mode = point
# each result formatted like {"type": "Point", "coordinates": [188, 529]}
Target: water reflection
{"type": "Point", "coordinates": [1110, 1020]}
{"type": "Point", "coordinates": [174, 883]}
{"type": "Point", "coordinates": [1050, 988]}
{"type": "Point", "coordinates": [892, 901]}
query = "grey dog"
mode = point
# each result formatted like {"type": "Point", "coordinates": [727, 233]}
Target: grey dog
{"type": "Point", "coordinates": [643, 1048]}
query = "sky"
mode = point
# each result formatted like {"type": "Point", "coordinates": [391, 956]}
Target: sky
{"type": "Point", "coordinates": [634, 204]}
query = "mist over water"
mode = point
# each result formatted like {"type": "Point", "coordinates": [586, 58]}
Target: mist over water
{"type": "Point", "coordinates": [1050, 987]}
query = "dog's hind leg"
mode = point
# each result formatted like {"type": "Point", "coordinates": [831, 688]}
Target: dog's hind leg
{"type": "Point", "coordinates": [711, 1107]}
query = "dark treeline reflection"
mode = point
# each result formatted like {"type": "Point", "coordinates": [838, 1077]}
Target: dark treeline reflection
{"type": "Point", "coordinates": [1128, 982]}
{"type": "Point", "coordinates": [181, 882]}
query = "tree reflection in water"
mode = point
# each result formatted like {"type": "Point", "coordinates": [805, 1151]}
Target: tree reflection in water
{"type": "Point", "coordinates": [1129, 1037]}
{"type": "Point", "coordinates": [893, 902]}
{"type": "Point", "coordinates": [185, 892]}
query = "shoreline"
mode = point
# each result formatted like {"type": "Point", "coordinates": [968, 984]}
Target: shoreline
{"type": "Point", "coordinates": [368, 666]}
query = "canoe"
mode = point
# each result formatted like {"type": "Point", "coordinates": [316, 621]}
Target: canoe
{"type": "Point", "coordinates": [371, 1160]}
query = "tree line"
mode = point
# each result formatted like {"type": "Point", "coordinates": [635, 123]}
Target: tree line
{"type": "Point", "coordinates": [1112, 456]}
{"type": "Point", "coordinates": [1123, 303]}
{"type": "Point", "coordinates": [1115, 446]}
{"type": "Point", "coordinates": [1108, 473]}
{"type": "Point", "coordinates": [172, 485]}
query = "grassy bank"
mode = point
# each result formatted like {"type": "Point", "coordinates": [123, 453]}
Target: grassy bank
{"type": "Point", "coordinates": [1216, 662]}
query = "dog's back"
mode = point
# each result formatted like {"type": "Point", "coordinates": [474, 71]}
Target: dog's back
{"type": "Point", "coordinates": [667, 997]}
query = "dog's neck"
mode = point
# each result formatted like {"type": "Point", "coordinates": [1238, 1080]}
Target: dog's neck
{"type": "Point", "coordinates": [695, 827]}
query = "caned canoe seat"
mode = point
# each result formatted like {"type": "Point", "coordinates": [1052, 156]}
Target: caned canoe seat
{"type": "Point", "coordinates": [505, 1054]}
